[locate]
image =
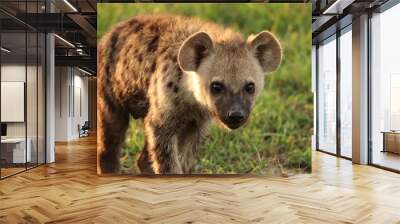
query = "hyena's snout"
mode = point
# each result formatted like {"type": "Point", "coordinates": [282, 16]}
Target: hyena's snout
{"type": "Point", "coordinates": [236, 115]}
{"type": "Point", "coordinates": [236, 118]}
{"type": "Point", "coordinates": [233, 112]}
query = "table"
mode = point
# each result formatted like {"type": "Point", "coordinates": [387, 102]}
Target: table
{"type": "Point", "coordinates": [391, 141]}
{"type": "Point", "coordinates": [13, 150]}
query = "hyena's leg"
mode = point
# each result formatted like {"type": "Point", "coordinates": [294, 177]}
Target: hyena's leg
{"type": "Point", "coordinates": [189, 144]}
{"type": "Point", "coordinates": [112, 125]}
{"type": "Point", "coordinates": [162, 148]}
{"type": "Point", "coordinates": [188, 148]}
{"type": "Point", "coordinates": [144, 161]}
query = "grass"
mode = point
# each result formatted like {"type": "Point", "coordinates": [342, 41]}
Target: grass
{"type": "Point", "coordinates": [278, 135]}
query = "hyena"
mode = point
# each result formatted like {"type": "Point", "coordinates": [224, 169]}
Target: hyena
{"type": "Point", "coordinates": [177, 74]}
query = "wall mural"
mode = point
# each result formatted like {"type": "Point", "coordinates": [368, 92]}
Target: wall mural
{"type": "Point", "coordinates": [204, 89]}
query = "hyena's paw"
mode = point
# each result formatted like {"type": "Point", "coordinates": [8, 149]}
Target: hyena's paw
{"type": "Point", "coordinates": [107, 166]}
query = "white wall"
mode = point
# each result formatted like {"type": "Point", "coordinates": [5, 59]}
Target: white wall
{"type": "Point", "coordinates": [80, 102]}
{"type": "Point", "coordinates": [16, 73]}
{"type": "Point", "coordinates": [33, 127]}
{"type": "Point", "coordinates": [71, 94]}
{"type": "Point", "coordinates": [61, 103]}
{"type": "Point", "coordinates": [12, 73]}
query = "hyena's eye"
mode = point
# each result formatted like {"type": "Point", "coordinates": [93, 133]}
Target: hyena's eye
{"type": "Point", "coordinates": [250, 88]}
{"type": "Point", "coordinates": [216, 87]}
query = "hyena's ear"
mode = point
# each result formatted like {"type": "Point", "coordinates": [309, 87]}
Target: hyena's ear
{"type": "Point", "coordinates": [267, 49]}
{"type": "Point", "coordinates": [193, 51]}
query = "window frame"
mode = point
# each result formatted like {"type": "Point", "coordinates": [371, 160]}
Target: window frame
{"type": "Point", "coordinates": [381, 9]}
{"type": "Point", "coordinates": [27, 29]}
{"type": "Point", "coordinates": [337, 34]}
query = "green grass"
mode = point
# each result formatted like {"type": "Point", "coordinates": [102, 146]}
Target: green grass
{"type": "Point", "coordinates": [280, 128]}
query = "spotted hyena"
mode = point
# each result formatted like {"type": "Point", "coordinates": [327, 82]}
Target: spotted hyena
{"type": "Point", "coordinates": [177, 74]}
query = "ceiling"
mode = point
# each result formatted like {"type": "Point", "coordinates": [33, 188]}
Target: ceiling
{"type": "Point", "coordinates": [332, 15]}
{"type": "Point", "coordinates": [74, 22]}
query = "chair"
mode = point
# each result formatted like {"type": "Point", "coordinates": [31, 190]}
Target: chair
{"type": "Point", "coordinates": [84, 130]}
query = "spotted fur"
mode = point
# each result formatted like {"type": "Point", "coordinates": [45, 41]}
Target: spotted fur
{"type": "Point", "coordinates": [158, 68]}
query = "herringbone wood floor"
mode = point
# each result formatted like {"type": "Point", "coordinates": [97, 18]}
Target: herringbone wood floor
{"type": "Point", "coordinates": [69, 191]}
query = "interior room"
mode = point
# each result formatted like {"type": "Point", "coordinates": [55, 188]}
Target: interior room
{"type": "Point", "coordinates": [335, 80]}
{"type": "Point", "coordinates": [385, 90]}
{"type": "Point", "coordinates": [22, 97]}
{"type": "Point", "coordinates": [48, 84]}
{"type": "Point", "coordinates": [48, 122]}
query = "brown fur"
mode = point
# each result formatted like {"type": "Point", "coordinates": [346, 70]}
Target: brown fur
{"type": "Point", "coordinates": [159, 68]}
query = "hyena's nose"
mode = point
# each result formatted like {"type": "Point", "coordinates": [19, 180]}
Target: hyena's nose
{"type": "Point", "coordinates": [235, 117]}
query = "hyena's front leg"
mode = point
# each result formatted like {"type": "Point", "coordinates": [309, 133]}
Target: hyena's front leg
{"type": "Point", "coordinates": [188, 148]}
{"type": "Point", "coordinates": [144, 161]}
{"type": "Point", "coordinates": [190, 139]}
{"type": "Point", "coordinates": [112, 125]}
{"type": "Point", "coordinates": [161, 145]}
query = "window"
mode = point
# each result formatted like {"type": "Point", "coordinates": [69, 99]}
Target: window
{"type": "Point", "coordinates": [22, 78]}
{"type": "Point", "coordinates": [346, 92]}
{"type": "Point", "coordinates": [327, 95]}
{"type": "Point", "coordinates": [385, 89]}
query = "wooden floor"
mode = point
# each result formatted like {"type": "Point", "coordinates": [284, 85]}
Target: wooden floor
{"type": "Point", "coordinates": [11, 170]}
{"type": "Point", "coordinates": [69, 191]}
